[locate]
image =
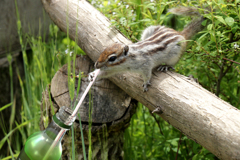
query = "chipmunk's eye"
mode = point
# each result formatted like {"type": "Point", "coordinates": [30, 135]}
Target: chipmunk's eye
{"type": "Point", "coordinates": [126, 48]}
{"type": "Point", "coordinates": [113, 58]}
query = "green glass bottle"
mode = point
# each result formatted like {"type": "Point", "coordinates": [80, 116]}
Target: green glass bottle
{"type": "Point", "coordinates": [46, 145]}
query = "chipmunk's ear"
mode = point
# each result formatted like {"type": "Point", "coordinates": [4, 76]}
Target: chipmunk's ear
{"type": "Point", "coordinates": [125, 50]}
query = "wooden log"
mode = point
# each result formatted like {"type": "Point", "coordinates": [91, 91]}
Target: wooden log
{"type": "Point", "coordinates": [107, 107]}
{"type": "Point", "coordinates": [187, 106]}
{"type": "Point", "coordinates": [110, 114]}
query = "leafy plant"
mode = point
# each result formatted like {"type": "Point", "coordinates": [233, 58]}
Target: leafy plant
{"type": "Point", "coordinates": [212, 57]}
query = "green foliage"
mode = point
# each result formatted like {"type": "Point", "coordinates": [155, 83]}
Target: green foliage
{"type": "Point", "coordinates": [212, 57]}
{"type": "Point", "coordinates": [40, 65]}
{"type": "Point", "coordinates": [132, 16]}
{"type": "Point", "coordinates": [146, 139]}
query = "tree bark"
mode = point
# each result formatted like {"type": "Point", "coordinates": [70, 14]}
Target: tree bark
{"type": "Point", "coordinates": [187, 106]}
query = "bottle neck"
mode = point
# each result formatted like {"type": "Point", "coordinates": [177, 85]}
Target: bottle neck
{"type": "Point", "coordinates": [53, 130]}
{"type": "Point", "coordinates": [61, 122]}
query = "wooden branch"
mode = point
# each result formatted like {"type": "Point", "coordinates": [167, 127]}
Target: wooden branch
{"type": "Point", "coordinates": [187, 106]}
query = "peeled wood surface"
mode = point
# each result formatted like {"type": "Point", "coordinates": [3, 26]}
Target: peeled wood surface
{"type": "Point", "coordinates": [110, 103]}
{"type": "Point", "coordinates": [187, 106]}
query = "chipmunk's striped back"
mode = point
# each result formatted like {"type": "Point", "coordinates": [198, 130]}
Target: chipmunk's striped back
{"type": "Point", "coordinates": [159, 47]}
{"type": "Point", "coordinates": [157, 38]}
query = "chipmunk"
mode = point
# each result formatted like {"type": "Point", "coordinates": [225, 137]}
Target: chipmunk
{"type": "Point", "coordinates": [160, 47]}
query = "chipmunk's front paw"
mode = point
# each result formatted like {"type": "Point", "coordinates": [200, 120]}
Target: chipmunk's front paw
{"type": "Point", "coordinates": [145, 86]}
{"type": "Point", "coordinates": [165, 68]}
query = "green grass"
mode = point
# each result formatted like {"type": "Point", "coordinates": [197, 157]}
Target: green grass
{"type": "Point", "coordinates": [148, 137]}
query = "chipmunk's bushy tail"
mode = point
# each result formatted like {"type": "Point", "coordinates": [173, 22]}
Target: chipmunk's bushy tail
{"type": "Point", "coordinates": [193, 27]}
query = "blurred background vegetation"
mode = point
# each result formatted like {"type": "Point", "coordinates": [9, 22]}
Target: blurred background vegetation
{"type": "Point", "coordinates": [212, 57]}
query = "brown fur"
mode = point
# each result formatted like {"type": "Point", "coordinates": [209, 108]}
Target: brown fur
{"type": "Point", "coordinates": [116, 48]}
{"type": "Point", "coordinates": [193, 27]}
{"type": "Point", "coordinates": [158, 39]}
